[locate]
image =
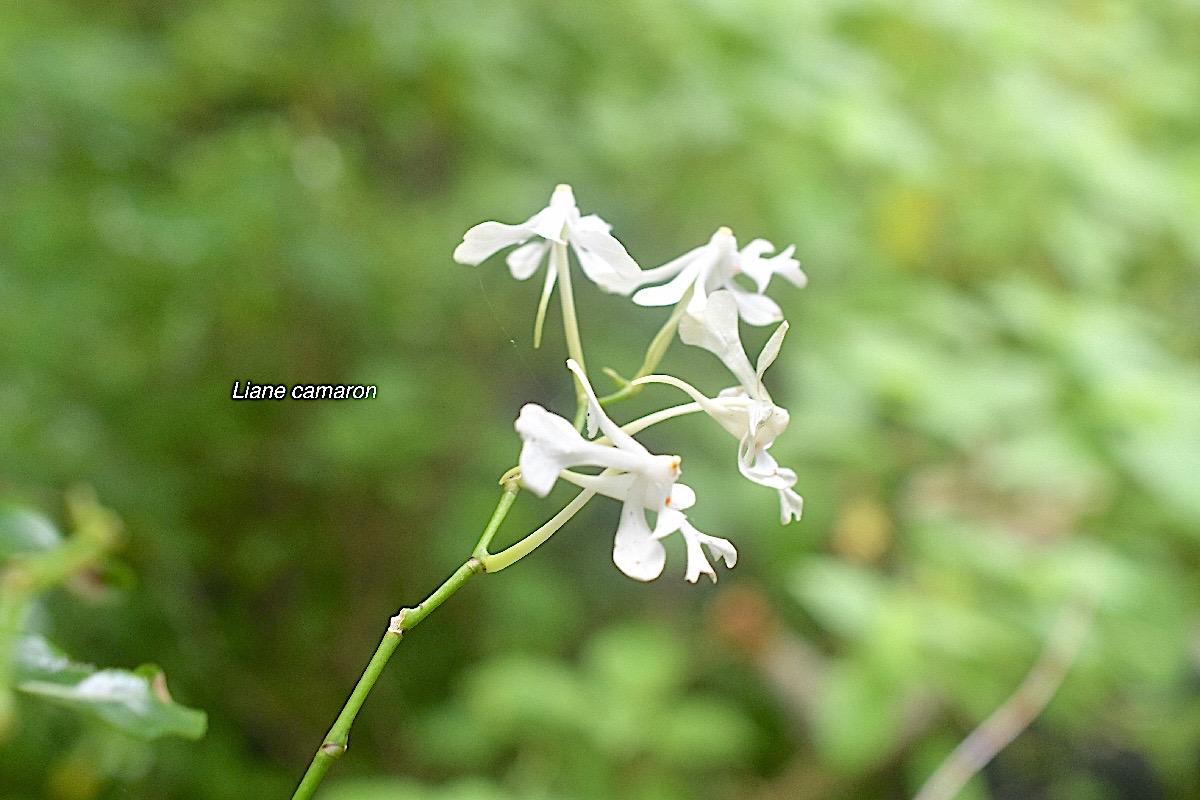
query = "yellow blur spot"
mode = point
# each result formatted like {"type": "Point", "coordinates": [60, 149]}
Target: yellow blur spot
{"type": "Point", "coordinates": [73, 778]}
{"type": "Point", "coordinates": [864, 530]}
{"type": "Point", "coordinates": [905, 223]}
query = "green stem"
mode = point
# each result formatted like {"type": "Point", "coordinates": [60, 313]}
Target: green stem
{"type": "Point", "coordinates": [408, 618]}
{"type": "Point", "coordinates": [654, 353]}
{"type": "Point", "coordinates": [558, 262]}
{"type": "Point", "coordinates": [512, 485]}
{"type": "Point", "coordinates": [336, 740]}
{"type": "Point", "coordinates": [511, 555]}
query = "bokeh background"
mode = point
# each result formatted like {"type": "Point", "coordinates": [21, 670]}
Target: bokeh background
{"type": "Point", "coordinates": [992, 377]}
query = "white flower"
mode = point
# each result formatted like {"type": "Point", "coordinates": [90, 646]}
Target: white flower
{"type": "Point", "coordinates": [713, 266]}
{"type": "Point", "coordinates": [641, 480]}
{"type": "Point", "coordinates": [602, 257]}
{"type": "Point", "coordinates": [746, 411]}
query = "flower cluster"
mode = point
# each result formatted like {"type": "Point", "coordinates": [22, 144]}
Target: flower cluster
{"type": "Point", "coordinates": [708, 305]}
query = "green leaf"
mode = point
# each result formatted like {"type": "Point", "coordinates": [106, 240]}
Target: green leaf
{"type": "Point", "coordinates": [518, 695]}
{"type": "Point", "coordinates": [859, 717]}
{"type": "Point", "coordinates": [703, 733]}
{"type": "Point", "coordinates": [843, 598]}
{"type": "Point", "coordinates": [25, 532]}
{"type": "Point", "coordinates": [642, 662]}
{"type": "Point", "coordinates": [136, 703]}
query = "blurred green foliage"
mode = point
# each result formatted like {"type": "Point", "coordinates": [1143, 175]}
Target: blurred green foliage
{"type": "Point", "coordinates": [35, 561]}
{"type": "Point", "coordinates": [992, 377]}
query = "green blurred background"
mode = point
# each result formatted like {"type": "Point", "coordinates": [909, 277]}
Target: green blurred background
{"type": "Point", "coordinates": [992, 377]}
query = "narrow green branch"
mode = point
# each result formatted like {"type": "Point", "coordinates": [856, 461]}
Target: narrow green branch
{"type": "Point", "coordinates": [336, 740]}
{"type": "Point", "coordinates": [408, 618]}
{"type": "Point", "coordinates": [1026, 703]}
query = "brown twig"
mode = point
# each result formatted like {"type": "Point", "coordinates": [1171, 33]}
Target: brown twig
{"type": "Point", "coordinates": [1030, 698]}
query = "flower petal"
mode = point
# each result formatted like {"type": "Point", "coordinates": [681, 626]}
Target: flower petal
{"type": "Point", "coordinates": [609, 484]}
{"type": "Point", "coordinates": [669, 293]}
{"type": "Point", "coordinates": [761, 269]}
{"type": "Point", "coordinates": [551, 444]}
{"type": "Point", "coordinates": [674, 266]}
{"type": "Point", "coordinates": [486, 238]}
{"type": "Point", "coordinates": [756, 249]}
{"type": "Point", "coordinates": [603, 259]}
{"type": "Point", "coordinates": [598, 418]}
{"type": "Point", "coordinates": [682, 497]}
{"type": "Point", "coordinates": [791, 506]}
{"type": "Point", "coordinates": [765, 471]}
{"type": "Point", "coordinates": [524, 261]}
{"type": "Point", "coordinates": [770, 351]}
{"type": "Point", "coordinates": [635, 550]}
{"type": "Point", "coordinates": [551, 222]}
{"type": "Point", "coordinates": [618, 486]}
{"type": "Point", "coordinates": [755, 309]}
{"type": "Point", "coordinates": [765, 422]}
{"type": "Point", "coordinates": [697, 562]}
{"type": "Point", "coordinates": [669, 520]}
{"type": "Point", "coordinates": [716, 330]}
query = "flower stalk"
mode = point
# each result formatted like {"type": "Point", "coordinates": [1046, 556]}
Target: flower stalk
{"type": "Point", "coordinates": [511, 555]}
{"type": "Point", "coordinates": [406, 619]}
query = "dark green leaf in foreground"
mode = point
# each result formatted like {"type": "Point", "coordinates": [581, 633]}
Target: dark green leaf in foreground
{"type": "Point", "coordinates": [135, 702]}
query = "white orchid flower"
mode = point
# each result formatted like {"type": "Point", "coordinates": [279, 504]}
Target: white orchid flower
{"type": "Point", "coordinates": [602, 257]}
{"type": "Point", "coordinates": [641, 480]}
{"type": "Point", "coordinates": [746, 411]}
{"type": "Point", "coordinates": [713, 266]}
